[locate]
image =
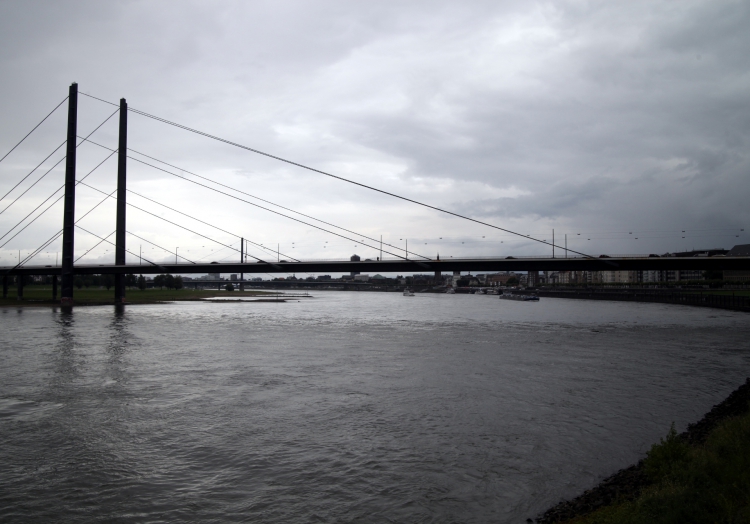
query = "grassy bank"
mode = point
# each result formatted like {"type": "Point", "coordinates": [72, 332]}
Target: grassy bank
{"type": "Point", "coordinates": [701, 475]}
{"type": "Point", "coordinates": [42, 295]}
{"type": "Point", "coordinates": [707, 483]}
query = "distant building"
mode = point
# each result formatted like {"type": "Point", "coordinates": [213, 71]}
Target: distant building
{"type": "Point", "coordinates": [571, 277]}
{"type": "Point", "coordinates": [233, 276]}
{"type": "Point", "coordinates": [618, 277]}
{"type": "Point", "coordinates": [501, 279]}
{"type": "Point", "coordinates": [742, 250]}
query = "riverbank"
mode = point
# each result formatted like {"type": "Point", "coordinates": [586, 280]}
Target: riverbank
{"type": "Point", "coordinates": [735, 301]}
{"type": "Point", "coordinates": [705, 470]}
{"type": "Point", "coordinates": [42, 296]}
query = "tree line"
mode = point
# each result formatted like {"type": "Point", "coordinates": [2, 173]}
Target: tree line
{"type": "Point", "coordinates": [161, 281]}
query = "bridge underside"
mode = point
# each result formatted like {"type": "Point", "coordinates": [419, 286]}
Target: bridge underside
{"type": "Point", "coordinates": [484, 265]}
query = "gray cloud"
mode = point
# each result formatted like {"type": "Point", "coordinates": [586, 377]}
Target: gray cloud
{"type": "Point", "coordinates": [583, 117]}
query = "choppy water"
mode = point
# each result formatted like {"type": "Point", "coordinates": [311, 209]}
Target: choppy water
{"type": "Point", "coordinates": [348, 407]}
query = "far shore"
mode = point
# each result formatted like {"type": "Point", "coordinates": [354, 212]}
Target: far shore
{"type": "Point", "coordinates": [41, 296]}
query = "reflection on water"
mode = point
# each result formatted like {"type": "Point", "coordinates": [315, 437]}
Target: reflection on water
{"type": "Point", "coordinates": [345, 406]}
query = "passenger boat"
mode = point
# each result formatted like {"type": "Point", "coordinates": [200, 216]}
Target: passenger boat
{"type": "Point", "coordinates": [408, 293]}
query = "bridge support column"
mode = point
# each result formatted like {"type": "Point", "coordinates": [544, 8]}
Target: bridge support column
{"type": "Point", "coordinates": [19, 281]}
{"type": "Point", "coordinates": [5, 286]}
{"type": "Point", "coordinates": [70, 198]}
{"type": "Point", "coordinates": [122, 155]}
{"type": "Point", "coordinates": [54, 287]}
{"type": "Point", "coordinates": [242, 261]}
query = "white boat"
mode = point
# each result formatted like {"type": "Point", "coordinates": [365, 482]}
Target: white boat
{"type": "Point", "coordinates": [451, 291]}
{"type": "Point", "coordinates": [408, 293]}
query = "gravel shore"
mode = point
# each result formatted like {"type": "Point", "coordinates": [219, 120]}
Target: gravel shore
{"type": "Point", "coordinates": [627, 483]}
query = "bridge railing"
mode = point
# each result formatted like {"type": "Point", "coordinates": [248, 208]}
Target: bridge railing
{"type": "Point", "coordinates": [447, 258]}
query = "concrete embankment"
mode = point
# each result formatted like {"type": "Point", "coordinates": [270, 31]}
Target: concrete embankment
{"type": "Point", "coordinates": [628, 483]}
{"type": "Point", "coordinates": [687, 298]}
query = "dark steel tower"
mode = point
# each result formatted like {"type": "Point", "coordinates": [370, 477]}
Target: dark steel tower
{"type": "Point", "coordinates": [70, 198]}
{"type": "Point", "coordinates": [122, 155]}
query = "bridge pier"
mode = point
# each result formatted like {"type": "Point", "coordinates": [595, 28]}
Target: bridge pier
{"type": "Point", "coordinates": [242, 261]}
{"type": "Point", "coordinates": [19, 293]}
{"type": "Point", "coordinates": [5, 286]}
{"type": "Point", "coordinates": [122, 155]}
{"type": "Point", "coordinates": [54, 287]}
{"type": "Point", "coordinates": [70, 199]}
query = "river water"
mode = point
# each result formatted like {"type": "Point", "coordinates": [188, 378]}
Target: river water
{"type": "Point", "coordinates": [345, 407]}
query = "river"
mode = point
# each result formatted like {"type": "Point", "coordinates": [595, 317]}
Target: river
{"type": "Point", "coordinates": [345, 407]}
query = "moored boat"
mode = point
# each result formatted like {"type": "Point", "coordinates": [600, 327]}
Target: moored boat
{"type": "Point", "coordinates": [520, 298]}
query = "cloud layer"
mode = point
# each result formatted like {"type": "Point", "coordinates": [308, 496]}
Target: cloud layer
{"type": "Point", "coordinates": [612, 120]}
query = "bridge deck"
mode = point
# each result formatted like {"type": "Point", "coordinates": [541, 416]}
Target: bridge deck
{"type": "Point", "coordinates": [716, 263]}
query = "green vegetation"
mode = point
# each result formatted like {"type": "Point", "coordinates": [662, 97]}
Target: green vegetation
{"type": "Point", "coordinates": [37, 295]}
{"type": "Point", "coordinates": [707, 483]}
{"type": "Point", "coordinates": [168, 281]}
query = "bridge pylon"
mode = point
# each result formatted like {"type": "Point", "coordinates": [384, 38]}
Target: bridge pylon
{"type": "Point", "coordinates": [122, 156]}
{"type": "Point", "coordinates": [70, 199]}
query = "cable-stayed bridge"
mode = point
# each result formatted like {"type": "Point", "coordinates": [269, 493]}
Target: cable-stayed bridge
{"type": "Point", "coordinates": [400, 261]}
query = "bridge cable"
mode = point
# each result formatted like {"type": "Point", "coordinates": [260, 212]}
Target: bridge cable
{"type": "Point", "coordinates": [32, 171]}
{"type": "Point", "coordinates": [56, 235]}
{"type": "Point", "coordinates": [272, 203]}
{"type": "Point", "coordinates": [190, 216]}
{"type": "Point", "coordinates": [53, 167]}
{"type": "Point", "coordinates": [261, 207]}
{"type": "Point", "coordinates": [267, 209]}
{"type": "Point", "coordinates": [173, 223]}
{"type": "Point", "coordinates": [303, 166]}
{"type": "Point", "coordinates": [251, 203]}
{"type": "Point", "coordinates": [95, 246]}
{"type": "Point", "coordinates": [160, 247]}
{"type": "Point", "coordinates": [45, 200]}
{"type": "Point", "coordinates": [206, 223]}
{"type": "Point", "coordinates": [126, 250]}
{"type": "Point", "coordinates": [48, 208]}
{"type": "Point", "coordinates": [60, 232]}
{"type": "Point", "coordinates": [29, 133]}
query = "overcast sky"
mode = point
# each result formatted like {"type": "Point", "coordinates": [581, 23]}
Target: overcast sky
{"type": "Point", "coordinates": [605, 121]}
